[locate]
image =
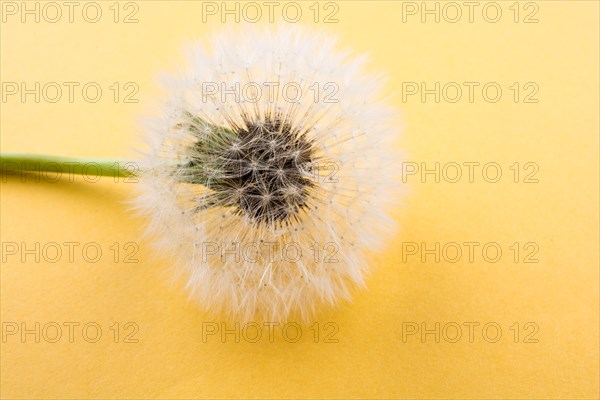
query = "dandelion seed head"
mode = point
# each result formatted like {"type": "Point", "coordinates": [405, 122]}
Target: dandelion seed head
{"type": "Point", "coordinates": [317, 172]}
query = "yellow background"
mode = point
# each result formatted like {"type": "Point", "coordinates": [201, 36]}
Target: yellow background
{"type": "Point", "coordinates": [560, 213]}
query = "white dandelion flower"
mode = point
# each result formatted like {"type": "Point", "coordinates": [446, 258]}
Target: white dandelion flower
{"type": "Point", "coordinates": [272, 172]}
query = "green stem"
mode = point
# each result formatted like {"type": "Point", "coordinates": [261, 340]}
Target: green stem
{"type": "Point", "coordinates": [13, 163]}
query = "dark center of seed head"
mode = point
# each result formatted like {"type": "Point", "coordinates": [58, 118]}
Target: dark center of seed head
{"type": "Point", "coordinates": [264, 170]}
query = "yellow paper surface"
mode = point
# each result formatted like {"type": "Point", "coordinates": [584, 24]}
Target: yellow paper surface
{"type": "Point", "coordinates": [528, 329]}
